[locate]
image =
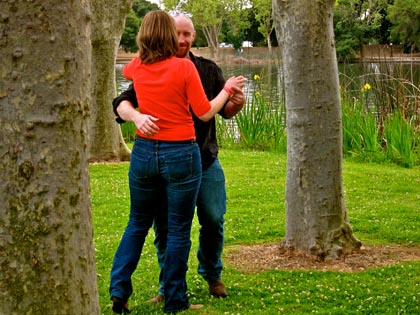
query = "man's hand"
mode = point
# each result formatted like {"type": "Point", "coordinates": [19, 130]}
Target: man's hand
{"type": "Point", "coordinates": [235, 104]}
{"type": "Point", "coordinates": [144, 123]}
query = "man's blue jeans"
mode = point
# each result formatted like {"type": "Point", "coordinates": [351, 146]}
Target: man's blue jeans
{"type": "Point", "coordinates": [175, 170]}
{"type": "Point", "coordinates": [211, 208]}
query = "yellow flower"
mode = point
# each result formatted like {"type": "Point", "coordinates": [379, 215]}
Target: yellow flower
{"type": "Point", "coordinates": [366, 87]}
{"type": "Point", "coordinates": [256, 77]}
{"type": "Point", "coordinates": [257, 93]}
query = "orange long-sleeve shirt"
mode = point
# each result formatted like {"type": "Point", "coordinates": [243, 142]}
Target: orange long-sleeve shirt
{"type": "Point", "coordinates": [166, 90]}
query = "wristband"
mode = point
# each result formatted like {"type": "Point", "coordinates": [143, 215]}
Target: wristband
{"type": "Point", "coordinates": [228, 90]}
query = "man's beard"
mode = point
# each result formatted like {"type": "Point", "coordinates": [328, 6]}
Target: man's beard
{"type": "Point", "coordinates": [182, 52]}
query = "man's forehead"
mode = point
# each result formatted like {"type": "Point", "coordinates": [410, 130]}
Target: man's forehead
{"type": "Point", "coordinates": [184, 21]}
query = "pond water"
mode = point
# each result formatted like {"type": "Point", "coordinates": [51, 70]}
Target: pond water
{"type": "Point", "coordinates": [270, 82]}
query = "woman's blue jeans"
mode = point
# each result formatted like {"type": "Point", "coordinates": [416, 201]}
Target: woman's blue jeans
{"type": "Point", "coordinates": [211, 208]}
{"type": "Point", "coordinates": [156, 166]}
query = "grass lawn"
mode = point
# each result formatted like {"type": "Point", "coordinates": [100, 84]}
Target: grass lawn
{"type": "Point", "coordinates": [383, 203]}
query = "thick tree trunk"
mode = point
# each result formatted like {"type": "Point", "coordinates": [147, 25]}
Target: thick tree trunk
{"type": "Point", "coordinates": [105, 139]}
{"type": "Point", "coordinates": [47, 263]}
{"type": "Point", "coordinates": [316, 215]}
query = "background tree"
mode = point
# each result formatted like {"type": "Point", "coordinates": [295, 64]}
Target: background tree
{"type": "Point", "coordinates": [231, 36]}
{"type": "Point", "coordinates": [254, 35]}
{"type": "Point", "coordinates": [316, 216]}
{"type": "Point", "coordinates": [141, 7]}
{"type": "Point", "coordinates": [357, 23]}
{"type": "Point", "coordinates": [105, 138]}
{"type": "Point", "coordinates": [237, 19]}
{"type": "Point", "coordinates": [200, 39]}
{"type": "Point", "coordinates": [238, 24]}
{"type": "Point", "coordinates": [405, 16]}
{"type": "Point", "coordinates": [263, 15]}
{"type": "Point", "coordinates": [46, 236]}
{"type": "Point", "coordinates": [132, 24]}
{"type": "Point", "coordinates": [128, 39]}
{"type": "Point", "coordinates": [208, 15]}
{"type": "Point", "coordinates": [382, 6]}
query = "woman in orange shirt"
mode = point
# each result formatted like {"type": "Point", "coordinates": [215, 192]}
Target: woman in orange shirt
{"type": "Point", "coordinates": [164, 156]}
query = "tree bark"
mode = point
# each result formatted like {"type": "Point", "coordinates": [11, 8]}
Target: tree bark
{"type": "Point", "coordinates": [316, 214]}
{"type": "Point", "coordinates": [105, 139]}
{"type": "Point", "coordinates": [46, 237]}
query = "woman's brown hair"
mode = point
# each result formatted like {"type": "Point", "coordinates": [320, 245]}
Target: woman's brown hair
{"type": "Point", "coordinates": [157, 38]}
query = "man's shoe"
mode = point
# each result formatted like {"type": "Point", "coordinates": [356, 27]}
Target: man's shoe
{"type": "Point", "coordinates": [195, 306]}
{"type": "Point", "coordinates": [217, 288]}
{"type": "Point", "coordinates": [157, 299]}
{"type": "Point", "coordinates": [119, 306]}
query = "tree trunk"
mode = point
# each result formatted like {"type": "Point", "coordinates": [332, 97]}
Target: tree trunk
{"type": "Point", "coordinates": [105, 139]}
{"type": "Point", "coordinates": [269, 43]}
{"type": "Point", "coordinates": [46, 237]}
{"type": "Point", "coordinates": [316, 215]}
{"type": "Point", "coordinates": [212, 40]}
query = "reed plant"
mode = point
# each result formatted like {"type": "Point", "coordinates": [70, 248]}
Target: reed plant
{"type": "Point", "coordinates": [277, 128]}
{"type": "Point", "coordinates": [128, 130]}
{"type": "Point", "coordinates": [227, 131]}
{"type": "Point", "coordinates": [360, 132]}
{"type": "Point", "coordinates": [400, 140]}
{"type": "Point", "coordinates": [252, 122]}
{"type": "Point", "coordinates": [381, 116]}
{"type": "Point", "coordinates": [261, 124]}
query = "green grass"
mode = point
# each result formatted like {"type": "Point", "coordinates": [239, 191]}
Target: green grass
{"type": "Point", "coordinates": [383, 206]}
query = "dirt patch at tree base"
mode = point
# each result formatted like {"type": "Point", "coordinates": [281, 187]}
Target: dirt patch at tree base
{"type": "Point", "coordinates": [257, 258]}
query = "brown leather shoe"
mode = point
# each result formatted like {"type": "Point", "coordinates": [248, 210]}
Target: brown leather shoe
{"type": "Point", "coordinates": [157, 299]}
{"type": "Point", "coordinates": [195, 306]}
{"type": "Point", "coordinates": [217, 288]}
{"type": "Point", "coordinates": [119, 306]}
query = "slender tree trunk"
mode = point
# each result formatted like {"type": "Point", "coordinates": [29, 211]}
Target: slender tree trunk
{"type": "Point", "coordinates": [316, 215]}
{"type": "Point", "coordinates": [212, 40]}
{"type": "Point", "coordinates": [269, 43]}
{"type": "Point", "coordinates": [47, 263]}
{"type": "Point", "coordinates": [105, 139]}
